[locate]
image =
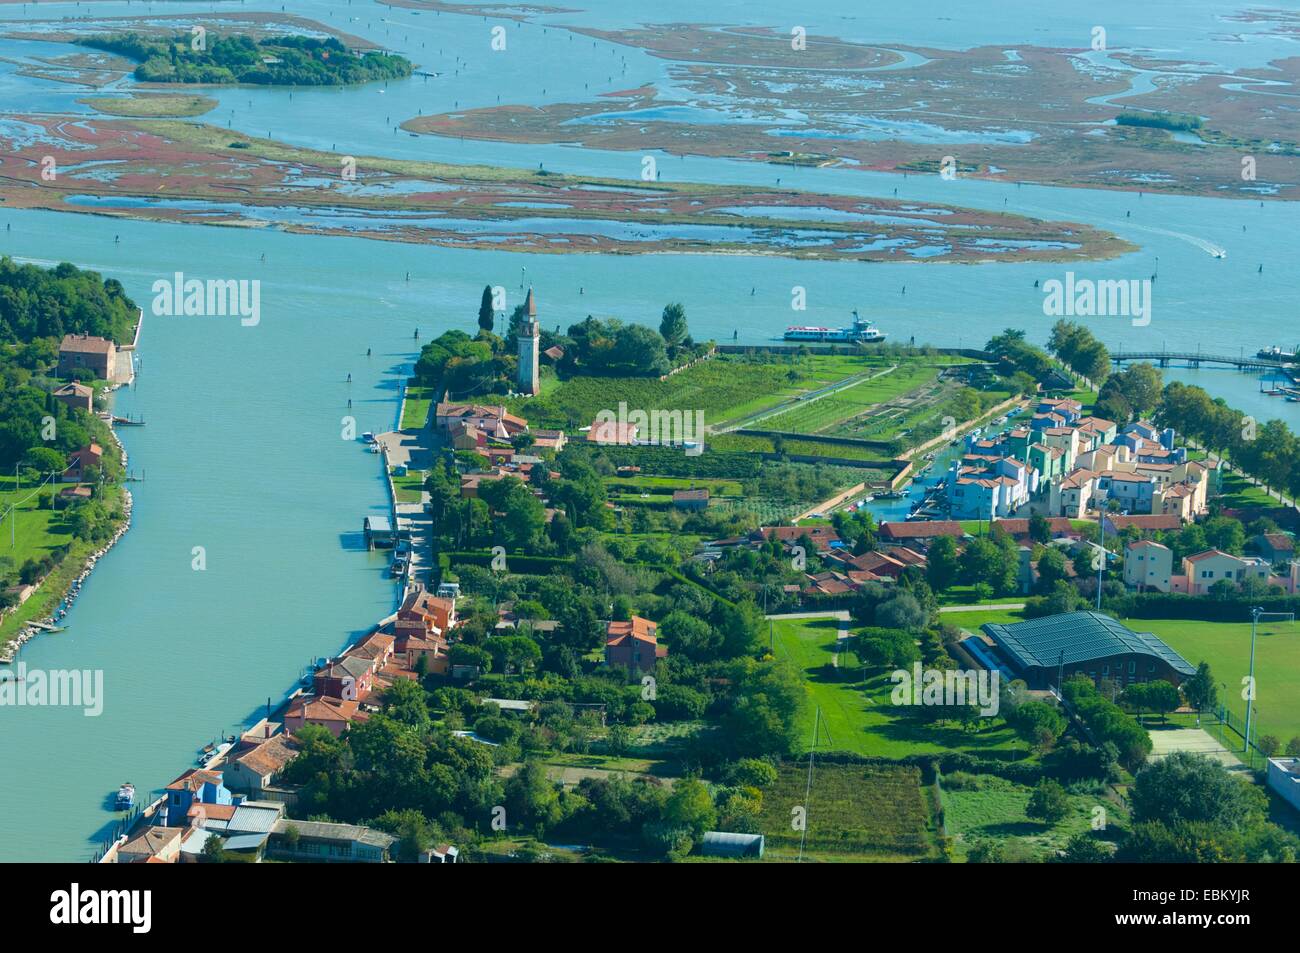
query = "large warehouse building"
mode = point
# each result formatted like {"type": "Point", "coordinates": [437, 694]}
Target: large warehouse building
{"type": "Point", "coordinates": [1047, 650]}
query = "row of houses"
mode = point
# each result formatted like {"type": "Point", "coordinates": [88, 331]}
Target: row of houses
{"type": "Point", "coordinates": [201, 805]}
{"type": "Point", "coordinates": [1150, 565]}
{"type": "Point", "coordinates": [1069, 465]}
{"type": "Point", "coordinates": [244, 803]}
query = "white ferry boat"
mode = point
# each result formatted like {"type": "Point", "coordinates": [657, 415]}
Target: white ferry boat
{"type": "Point", "coordinates": [861, 330]}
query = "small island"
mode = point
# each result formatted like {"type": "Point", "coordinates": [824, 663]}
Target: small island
{"type": "Point", "coordinates": [267, 61]}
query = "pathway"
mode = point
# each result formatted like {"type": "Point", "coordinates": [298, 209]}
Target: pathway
{"type": "Point", "coordinates": [996, 607]}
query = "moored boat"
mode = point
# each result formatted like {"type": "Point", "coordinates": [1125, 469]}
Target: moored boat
{"type": "Point", "coordinates": [125, 797]}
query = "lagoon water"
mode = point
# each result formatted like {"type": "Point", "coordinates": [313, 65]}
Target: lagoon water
{"type": "Point", "coordinates": [242, 453]}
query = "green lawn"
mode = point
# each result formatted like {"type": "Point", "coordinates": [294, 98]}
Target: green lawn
{"type": "Point", "coordinates": [971, 621]}
{"type": "Point", "coordinates": [859, 716]}
{"type": "Point", "coordinates": [407, 488]}
{"type": "Point", "coordinates": [1226, 646]}
{"type": "Point", "coordinates": [1235, 492]}
{"type": "Point", "coordinates": [36, 531]}
{"type": "Point", "coordinates": [415, 412]}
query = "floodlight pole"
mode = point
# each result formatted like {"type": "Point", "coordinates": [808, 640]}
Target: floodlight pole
{"type": "Point", "coordinates": [1255, 615]}
{"type": "Point", "coordinates": [1101, 566]}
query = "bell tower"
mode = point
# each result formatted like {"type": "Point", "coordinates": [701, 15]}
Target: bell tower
{"type": "Point", "coordinates": [528, 380]}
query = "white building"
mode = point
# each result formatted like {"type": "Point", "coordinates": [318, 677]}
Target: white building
{"type": "Point", "coordinates": [1284, 778]}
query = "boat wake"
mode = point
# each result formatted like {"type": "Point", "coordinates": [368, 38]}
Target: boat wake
{"type": "Point", "coordinates": [1211, 249]}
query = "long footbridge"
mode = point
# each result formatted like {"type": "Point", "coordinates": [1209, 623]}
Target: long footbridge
{"type": "Point", "coordinates": [1246, 362]}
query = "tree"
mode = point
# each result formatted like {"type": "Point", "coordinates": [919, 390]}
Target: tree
{"type": "Point", "coordinates": [212, 850]}
{"type": "Point", "coordinates": [1190, 787]}
{"type": "Point", "coordinates": [531, 799]}
{"type": "Point", "coordinates": [1083, 848]}
{"type": "Point", "coordinates": [1051, 569]}
{"type": "Point", "coordinates": [902, 611]}
{"type": "Point", "coordinates": [887, 648]}
{"type": "Point", "coordinates": [1049, 803]}
{"type": "Point", "coordinates": [691, 806]}
{"type": "Point", "coordinates": [942, 563]}
{"type": "Point", "coordinates": [690, 635]}
{"type": "Point", "coordinates": [1200, 691]}
{"type": "Point", "coordinates": [1038, 723]}
{"type": "Point", "coordinates": [1268, 745]}
{"type": "Point", "coordinates": [44, 460]}
{"type": "Point", "coordinates": [1040, 531]}
{"type": "Point", "coordinates": [1162, 697]}
{"type": "Point", "coordinates": [673, 327]}
{"type": "Point", "coordinates": [486, 314]}
{"type": "Point", "coordinates": [985, 852]}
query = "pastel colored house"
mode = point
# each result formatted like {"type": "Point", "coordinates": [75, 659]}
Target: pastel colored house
{"type": "Point", "coordinates": [1134, 492]}
{"type": "Point", "coordinates": [1203, 570]}
{"type": "Point", "coordinates": [195, 786]}
{"type": "Point", "coordinates": [982, 488]}
{"type": "Point", "coordinates": [1073, 496]}
{"type": "Point", "coordinates": [1148, 565]}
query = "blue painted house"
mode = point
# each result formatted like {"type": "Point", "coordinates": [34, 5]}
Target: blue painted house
{"type": "Point", "coordinates": [195, 786]}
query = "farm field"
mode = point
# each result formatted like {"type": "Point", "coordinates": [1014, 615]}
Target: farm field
{"type": "Point", "coordinates": [854, 813]}
{"type": "Point", "coordinates": [986, 807]}
{"type": "Point", "coordinates": [727, 388]}
{"type": "Point", "coordinates": [865, 720]}
{"type": "Point", "coordinates": [752, 443]}
{"type": "Point", "coordinates": [823, 414]}
{"type": "Point", "coordinates": [722, 387]}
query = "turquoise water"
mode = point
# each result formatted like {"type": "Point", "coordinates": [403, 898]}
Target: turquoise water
{"type": "Point", "coordinates": [242, 453]}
